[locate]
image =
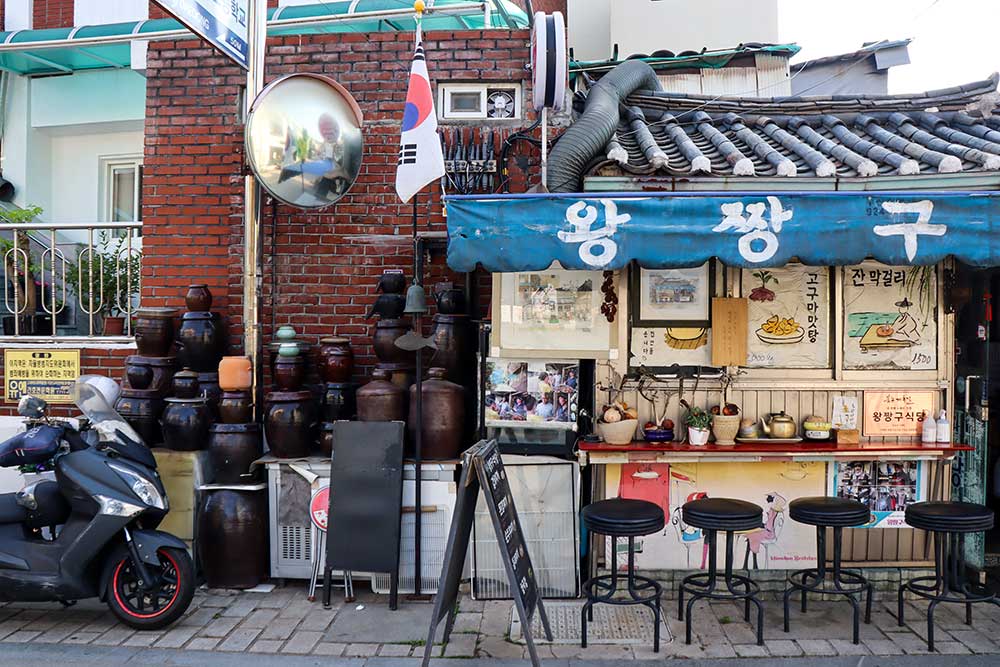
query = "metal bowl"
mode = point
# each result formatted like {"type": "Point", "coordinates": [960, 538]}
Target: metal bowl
{"type": "Point", "coordinates": [303, 140]}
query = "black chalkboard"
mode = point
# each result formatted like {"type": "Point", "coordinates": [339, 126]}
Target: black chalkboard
{"type": "Point", "coordinates": [366, 497]}
{"type": "Point", "coordinates": [482, 468]}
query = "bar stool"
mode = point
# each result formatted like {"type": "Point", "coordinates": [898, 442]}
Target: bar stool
{"type": "Point", "coordinates": [837, 513]}
{"type": "Point", "coordinates": [730, 516]}
{"type": "Point", "coordinates": [949, 522]}
{"type": "Point", "coordinates": [622, 517]}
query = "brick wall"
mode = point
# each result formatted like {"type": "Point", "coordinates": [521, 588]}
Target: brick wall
{"type": "Point", "coordinates": [326, 264]}
{"type": "Point", "coordinates": [51, 14]}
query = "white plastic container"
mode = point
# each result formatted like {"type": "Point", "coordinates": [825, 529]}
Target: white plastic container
{"type": "Point", "coordinates": [929, 432]}
{"type": "Point", "coordinates": [943, 428]}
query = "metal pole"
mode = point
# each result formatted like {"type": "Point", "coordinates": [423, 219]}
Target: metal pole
{"type": "Point", "coordinates": [252, 196]}
{"type": "Point", "coordinates": [418, 443]}
{"type": "Point", "coordinates": [545, 147]}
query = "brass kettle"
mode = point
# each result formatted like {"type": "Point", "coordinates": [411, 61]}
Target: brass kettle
{"type": "Point", "coordinates": [778, 425]}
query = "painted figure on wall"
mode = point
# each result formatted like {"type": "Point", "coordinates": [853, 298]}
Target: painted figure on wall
{"type": "Point", "coordinates": [768, 534]}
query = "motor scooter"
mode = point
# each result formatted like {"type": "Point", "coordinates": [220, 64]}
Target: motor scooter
{"type": "Point", "coordinates": [92, 531]}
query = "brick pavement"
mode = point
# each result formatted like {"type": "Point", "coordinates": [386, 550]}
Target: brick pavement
{"type": "Point", "coordinates": [283, 622]}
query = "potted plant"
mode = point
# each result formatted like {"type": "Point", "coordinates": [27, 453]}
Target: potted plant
{"type": "Point", "coordinates": [699, 423]}
{"type": "Point", "coordinates": [114, 274]}
{"type": "Point", "coordinates": [22, 274]}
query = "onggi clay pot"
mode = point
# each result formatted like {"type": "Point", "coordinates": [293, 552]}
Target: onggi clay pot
{"type": "Point", "coordinates": [336, 359]}
{"type": "Point", "coordinates": [154, 331]}
{"type": "Point", "coordinates": [198, 298]}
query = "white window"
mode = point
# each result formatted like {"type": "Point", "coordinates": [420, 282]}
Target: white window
{"type": "Point", "coordinates": [97, 12]}
{"type": "Point", "coordinates": [121, 184]}
{"type": "Point", "coordinates": [17, 15]}
{"type": "Point", "coordinates": [468, 101]}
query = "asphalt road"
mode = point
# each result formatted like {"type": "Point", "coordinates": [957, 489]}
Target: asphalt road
{"type": "Point", "coordinates": [98, 656]}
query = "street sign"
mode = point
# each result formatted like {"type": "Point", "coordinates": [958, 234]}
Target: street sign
{"type": "Point", "coordinates": [46, 374]}
{"type": "Point", "coordinates": [224, 23]}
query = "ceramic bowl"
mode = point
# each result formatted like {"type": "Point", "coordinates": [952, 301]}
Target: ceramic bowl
{"type": "Point", "coordinates": [659, 435]}
{"type": "Point", "coordinates": [618, 433]}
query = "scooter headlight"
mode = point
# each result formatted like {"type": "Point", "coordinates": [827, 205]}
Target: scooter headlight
{"type": "Point", "coordinates": [145, 490]}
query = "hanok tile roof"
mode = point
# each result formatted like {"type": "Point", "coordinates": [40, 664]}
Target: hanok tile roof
{"type": "Point", "coordinates": [943, 131]}
{"type": "Point", "coordinates": [864, 52]}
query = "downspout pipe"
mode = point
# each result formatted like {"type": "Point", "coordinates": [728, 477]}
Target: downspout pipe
{"type": "Point", "coordinates": [587, 137]}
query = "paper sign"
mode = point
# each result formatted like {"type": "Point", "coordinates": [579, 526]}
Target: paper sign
{"type": "Point", "coordinates": [897, 413]}
{"type": "Point", "coordinates": [729, 332]}
{"type": "Point", "coordinates": [845, 412]}
{"type": "Point", "coordinates": [46, 374]}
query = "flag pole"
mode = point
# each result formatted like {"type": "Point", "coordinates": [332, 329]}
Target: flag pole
{"type": "Point", "coordinates": [418, 444]}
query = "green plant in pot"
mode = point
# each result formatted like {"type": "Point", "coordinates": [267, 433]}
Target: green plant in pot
{"type": "Point", "coordinates": [106, 280]}
{"type": "Point", "coordinates": [699, 423]}
{"type": "Point", "coordinates": [21, 268]}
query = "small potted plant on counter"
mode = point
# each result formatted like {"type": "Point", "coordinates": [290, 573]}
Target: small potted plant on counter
{"type": "Point", "coordinates": [114, 274]}
{"type": "Point", "coordinates": [699, 423]}
{"type": "Point", "coordinates": [725, 423]}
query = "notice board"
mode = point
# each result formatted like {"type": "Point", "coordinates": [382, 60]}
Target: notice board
{"type": "Point", "coordinates": [46, 374]}
{"type": "Point", "coordinates": [897, 413]}
{"type": "Point", "coordinates": [729, 332]}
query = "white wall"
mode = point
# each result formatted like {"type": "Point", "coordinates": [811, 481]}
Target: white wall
{"type": "Point", "coordinates": [96, 12]}
{"type": "Point", "coordinates": [77, 182]}
{"type": "Point", "coordinates": [17, 15]}
{"type": "Point", "coordinates": [644, 26]}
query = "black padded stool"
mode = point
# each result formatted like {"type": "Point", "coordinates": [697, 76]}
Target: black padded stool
{"type": "Point", "coordinates": [949, 522]}
{"type": "Point", "coordinates": [622, 517]}
{"type": "Point", "coordinates": [837, 513]}
{"type": "Point", "coordinates": [729, 516]}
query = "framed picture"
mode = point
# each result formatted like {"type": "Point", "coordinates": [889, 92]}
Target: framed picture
{"type": "Point", "coordinates": [535, 393]}
{"type": "Point", "coordinates": [672, 297]}
{"type": "Point", "coordinates": [550, 313]}
{"type": "Point", "coordinates": [886, 487]}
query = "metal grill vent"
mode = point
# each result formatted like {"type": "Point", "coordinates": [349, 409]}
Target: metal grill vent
{"type": "Point", "coordinates": [296, 543]}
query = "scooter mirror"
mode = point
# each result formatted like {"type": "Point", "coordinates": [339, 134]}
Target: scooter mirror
{"type": "Point", "coordinates": [32, 407]}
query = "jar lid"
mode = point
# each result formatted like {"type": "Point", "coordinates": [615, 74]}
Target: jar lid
{"type": "Point", "coordinates": [235, 428]}
{"type": "Point", "coordinates": [288, 350]}
{"type": "Point", "coordinates": [334, 340]}
{"type": "Point", "coordinates": [186, 373]}
{"type": "Point", "coordinates": [156, 312]}
{"type": "Point", "coordinates": [156, 362]}
{"type": "Point", "coordinates": [128, 392]}
{"type": "Point", "coordinates": [197, 399]}
{"type": "Point", "coordinates": [195, 315]}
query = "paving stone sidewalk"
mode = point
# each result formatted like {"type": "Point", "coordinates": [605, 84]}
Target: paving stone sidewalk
{"type": "Point", "coordinates": [284, 622]}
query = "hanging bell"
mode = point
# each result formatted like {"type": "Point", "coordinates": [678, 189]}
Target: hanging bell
{"type": "Point", "coordinates": [416, 300]}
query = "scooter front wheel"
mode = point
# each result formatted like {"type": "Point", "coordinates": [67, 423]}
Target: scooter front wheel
{"type": "Point", "coordinates": [153, 607]}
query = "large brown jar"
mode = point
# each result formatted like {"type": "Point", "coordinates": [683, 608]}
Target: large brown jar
{"type": "Point", "coordinates": [232, 533]}
{"type": "Point", "coordinates": [289, 372]}
{"type": "Point", "coordinates": [386, 333]}
{"type": "Point", "coordinates": [336, 360]}
{"type": "Point", "coordinates": [163, 368]}
{"type": "Point", "coordinates": [198, 298]}
{"type": "Point", "coordinates": [289, 423]}
{"type": "Point", "coordinates": [235, 407]}
{"type": "Point", "coordinates": [443, 416]}
{"type": "Point", "coordinates": [142, 409]}
{"type": "Point", "coordinates": [233, 448]}
{"type": "Point", "coordinates": [185, 424]}
{"type": "Point", "coordinates": [154, 331]}
{"type": "Point", "coordinates": [454, 350]}
{"type": "Point", "coordinates": [201, 341]}
{"type": "Point", "coordinates": [381, 400]}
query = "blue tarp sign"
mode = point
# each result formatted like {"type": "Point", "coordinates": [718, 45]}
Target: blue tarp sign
{"type": "Point", "coordinates": [224, 23]}
{"type": "Point", "coordinates": [580, 231]}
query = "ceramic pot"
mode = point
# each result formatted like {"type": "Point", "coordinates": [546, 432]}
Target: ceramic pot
{"type": "Point", "coordinates": [185, 424]}
{"type": "Point", "coordinates": [326, 439]}
{"type": "Point", "coordinates": [138, 377]}
{"type": "Point", "coordinates": [401, 375]}
{"type": "Point", "coordinates": [336, 360]}
{"type": "Point", "coordinates": [235, 407]}
{"type": "Point", "coordinates": [154, 331]}
{"type": "Point", "coordinates": [289, 373]}
{"type": "Point", "coordinates": [198, 298]}
{"type": "Point", "coordinates": [391, 283]}
{"type": "Point", "coordinates": [698, 436]}
{"type": "Point", "coordinates": [381, 400]}
{"type": "Point", "coordinates": [386, 333]}
{"type": "Point", "coordinates": [232, 448]}
{"type": "Point", "coordinates": [185, 384]}
{"type": "Point", "coordinates": [388, 306]}
{"type": "Point", "coordinates": [450, 299]}
{"type": "Point", "coordinates": [208, 388]}
{"type": "Point", "coordinates": [233, 537]}
{"type": "Point", "coordinates": [443, 408]}
{"type": "Point", "coordinates": [163, 371]}
{"type": "Point", "coordinates": [454, 352]}
{"type": "Point", "coordinates": [235, 373]}
{"type": "Point", "coordinates": [289, 423]}
{"type": "Point", "coordinates": [340, 401]}
{"type": "Point", "coordinates": [200, 341]}
{"type": "Point", "coordinates": [142, 409]}
{"type": "Point", "coordinates": [285, 334]}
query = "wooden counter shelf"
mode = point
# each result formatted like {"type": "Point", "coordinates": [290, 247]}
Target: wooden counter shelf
{"type": "Point", "coordinates": [676, 452]}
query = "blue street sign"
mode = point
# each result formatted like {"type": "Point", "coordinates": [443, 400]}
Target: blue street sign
{"type": "Point", "coordinates": [224, 23]}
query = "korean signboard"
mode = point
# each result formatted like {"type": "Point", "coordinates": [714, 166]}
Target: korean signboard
{"type": "Point", "coordinates": [224, 23]}
{"type": "Point", "coordinates": [46, 374]}
{"type": "Point", "coordinates": [896, 413]}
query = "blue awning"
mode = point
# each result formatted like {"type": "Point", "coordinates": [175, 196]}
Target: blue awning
{"type": "Point", "coordinates": [672, 230]}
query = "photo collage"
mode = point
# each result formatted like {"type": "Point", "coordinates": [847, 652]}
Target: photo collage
{"type": "Point", "coordinates": [536, 392]}
{"type": "Point", "coordinates": [886, 487]}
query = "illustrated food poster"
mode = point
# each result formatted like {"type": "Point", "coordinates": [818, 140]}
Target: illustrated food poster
{"type": "Point", "coordinates": [688, 346]}
{"type": "Point", "coordinates": [779, 544]}
{"type": "Point", "coordinates": [789, 311]}
{"type": "Point", "coordinates": [889, 317]}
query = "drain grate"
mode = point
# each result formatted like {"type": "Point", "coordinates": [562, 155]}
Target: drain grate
{"type": "Point", "coordinates": [611, 625]}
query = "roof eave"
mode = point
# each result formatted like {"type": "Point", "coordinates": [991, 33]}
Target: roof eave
{"type": "Point", "coordinates": [971, 181]}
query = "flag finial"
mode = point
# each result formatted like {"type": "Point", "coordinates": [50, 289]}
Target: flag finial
{"type": "Point", "coordinates": [418, 7]}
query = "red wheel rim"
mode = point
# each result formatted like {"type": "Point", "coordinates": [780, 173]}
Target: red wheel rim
{"type": "Point", "coordinates": [133, 601]}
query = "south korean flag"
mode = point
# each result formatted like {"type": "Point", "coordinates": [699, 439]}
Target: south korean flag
{"type": "Point", "coordinates": [420, 158]}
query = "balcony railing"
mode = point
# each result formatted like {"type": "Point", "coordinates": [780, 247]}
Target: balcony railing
{"type": "Point", "coordinates": [63, 279]}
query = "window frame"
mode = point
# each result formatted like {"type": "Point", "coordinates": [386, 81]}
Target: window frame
{"type": "Point", "coordinates": [447, 89]}
{"type": "Point", "coordinates": [106, 183]}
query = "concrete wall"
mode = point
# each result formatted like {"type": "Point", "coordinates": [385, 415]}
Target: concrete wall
{"type": "Point", "coordinates": [643, 26]}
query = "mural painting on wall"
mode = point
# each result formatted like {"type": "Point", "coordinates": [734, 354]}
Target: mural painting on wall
{"type": "Point", "coordinates": [889, 317]}
{"type": "Point", "coordinates": [779, 544]}
{"type": "Point", "coordinates": [688, 346]}
{"type": "Point", "coordinates": [886, 487]}
{"type": "Point", "coordinates": [789, 310]}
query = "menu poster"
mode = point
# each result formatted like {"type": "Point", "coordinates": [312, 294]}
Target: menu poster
{"type": "Point", "coordinates": [889, 317]}
{"type": "Point", "coordinates": [897, 413]}
{"type": "Point", "coordinates": [845, 413]}
{"type": "Point", "coordinates": [789, 311]}
{"type": "Point", "coordinates": [729, 332]}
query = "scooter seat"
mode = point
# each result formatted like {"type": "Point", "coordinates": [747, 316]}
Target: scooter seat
{"type": "Point", "coordinates": [10, 511]}
{"type": "Point", "coordinates": [36, 506]}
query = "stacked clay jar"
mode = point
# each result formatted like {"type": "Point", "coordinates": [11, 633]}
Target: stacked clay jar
{"type": "Point", "coordinates": [149, 373]}
{"type": "Point", "coordinates": [235, 440]}
{"type": "Point", "coordinates": [290, 416]}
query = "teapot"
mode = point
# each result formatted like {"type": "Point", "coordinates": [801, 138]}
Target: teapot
{"type": "Point", "coordinates": [778, 425]}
